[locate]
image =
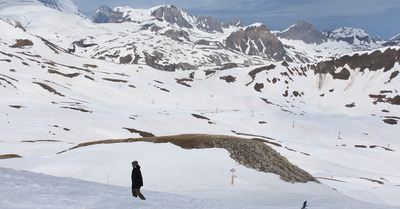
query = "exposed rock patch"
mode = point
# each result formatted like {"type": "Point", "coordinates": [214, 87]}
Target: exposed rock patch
{"type": "Point", "coordinates": [228, 78]}
{"type": "Point", "coordinates": [374, 61]}
{"type": "Point", "coordinates": [305, 32]}
{"type": "Point", "coordinates": [105, 14]}
{"type": "Point", "coordinates": [9, 156]}
{"type": "Point", "coordinates": [70, 75]}
{"type": "Point", "coordinates": [126, 59]}
{"type": "Point", "coordinates": [256, 71]}
{"type": "Point", "coordinates": [48, 88]}
{"type": "Point", "coordinates": [256, 40]}
{"type": "Point", "coordinates": [141, 133]}
{"type": "Point", "coordinates": [177, 35]}
{"type": "Point", "coordinates": [252, 153]}
{"type": "Point", "coordinates": [22, 43]}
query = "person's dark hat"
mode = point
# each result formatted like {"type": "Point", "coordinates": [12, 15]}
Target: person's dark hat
{"type": "Point", "coordinates": [135, 163]}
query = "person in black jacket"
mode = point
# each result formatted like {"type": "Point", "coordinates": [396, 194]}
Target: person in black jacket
{"type": "Point", "coordinates": [137, 180]}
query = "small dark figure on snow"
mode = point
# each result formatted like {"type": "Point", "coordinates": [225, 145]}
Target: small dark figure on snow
{"type": "Point", "coordinates": [304, 205]}
{"type": "Point", "coordinates": [137, 180]}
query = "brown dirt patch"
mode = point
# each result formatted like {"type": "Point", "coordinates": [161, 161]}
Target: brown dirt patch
{"type": "Point", "coordinates": [183, 81]}
{"type": "Point", "coordinates": [22, 43]}
{"type": "Point", "coordinates": [9, 156]}
{"type": "Point", "coordinates": [330, 179]}
{"type": "Point", "coordinates": [390, 121]}
{"type": "Point", "coordinates": [48, 88]}
{"type": "Point", "coordinates": [70, 75]}
{"type": "Point", "coordinates": [141, 133]}
{"type": "Point", "coordinates": [372, 180]}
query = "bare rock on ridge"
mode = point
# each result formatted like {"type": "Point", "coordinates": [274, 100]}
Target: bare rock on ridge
{"type": "Point", "coordinates": [303, 31]}
{"type": "Point", "coordinates": [256, 40]}
{"type": "Point", "coordinates": [105, 14]}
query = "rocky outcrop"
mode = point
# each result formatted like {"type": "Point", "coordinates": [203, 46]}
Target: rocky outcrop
{"type": "Point", "coordinates": [373, 61]}
{"type": "Point", "coordinates": [18, 24]}
{"type": "Point", "coordinates": [105, 14]}
{"type": "Point", "coordinates": [208, 24]}
{"type": "Point", "coordinates": [305, 32]}
{"type": "Point", "coordinates": [256, 40]}
{"type": "Point", "coordinates": [252, 153]}
{"type": "Point", "coordinates": [126, 59]}
{"type": "Point", "coordinates": [153, 61]}
{"type": "Point", "coordinates": [172, 15]}
{"type": "Point", "coordinates": [177, 35]}
{"type": "Point", "coordinates": [232, 23]}
{"type": "Point", "coordinates": [21, 43]}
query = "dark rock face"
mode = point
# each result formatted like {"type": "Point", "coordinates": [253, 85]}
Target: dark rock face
{"type": "Point", "coordinates": [304, 31]}
{"type": "Point", "coordinates": [374, 61]}
{"type": "Point", "coordinates": [173, 15]}
{"type": "Point", "coordinates": [256, 40]}
{"type": "Point", "coordinates": [233, 22]}
{"type": "Point", "coordinates": [395, 41]}
{"type": "Point", "coordinates": [177, 35]}
{"type": "Point", "coordinates": [105, 14]}
{"type": "Point", "coordinates": [153, 61]}
{"type": "Point", "coordinates": [208, 24]}
{"type": "Point", "coordinates": [21, 43]}
{"type": "Point", "coordinates": [126, 60]}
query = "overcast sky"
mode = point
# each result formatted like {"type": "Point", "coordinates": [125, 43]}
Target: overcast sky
{"type": "Point", "coordinates": [377, 17]}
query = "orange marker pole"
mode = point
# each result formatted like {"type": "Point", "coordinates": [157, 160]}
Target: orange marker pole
{"type": "Point", "coordinates": [233, 175]}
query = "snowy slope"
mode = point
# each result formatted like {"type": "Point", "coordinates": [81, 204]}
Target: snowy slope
{"type": "Point", "coordinates": [21, 189]}
{"type": "Point", "coordinates": [53, 100]}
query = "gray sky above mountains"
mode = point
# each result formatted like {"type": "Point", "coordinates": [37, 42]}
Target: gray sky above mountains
{"type": "Point", "coordinates": [377, 17]}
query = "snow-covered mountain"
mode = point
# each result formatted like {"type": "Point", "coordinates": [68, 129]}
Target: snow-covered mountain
{"type": "Point", "coordinates": [395, 38]}
{"type": "Point", "coordinates": [394, 41]}
{"type": "Point", "coordinates": [66, 6]}
{"type": "Point", "coordinates": [168, 13]}
{"type": "Point", "coordinates": [357, 37]}
{"type": "Point", "coordinates": [329, 110]}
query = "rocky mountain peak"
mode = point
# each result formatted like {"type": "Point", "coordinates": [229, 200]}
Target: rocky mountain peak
{"type": "Point", "coordinates": [350, 35]}
{"type": "Point", "coordinates": [233, 23]}
{"type": "Point", "coordinates": [173, 15]}
{"type": "Point", "coordinates": [305, 32]}
{"type": "Point", "coordinates": [394, 41]}
{"type": "Point", "coordinates": [105, 14]}
{"type": "Point", "coordinates": [182, 18]}
{"type": "Point", "coordinates": [357, 37]}
{"type": "Point", "coordinates": [256, 39]}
